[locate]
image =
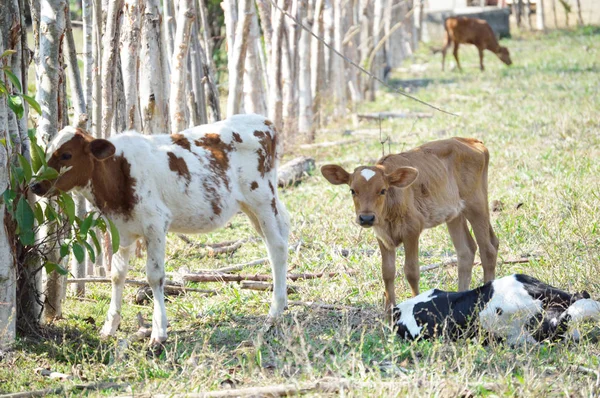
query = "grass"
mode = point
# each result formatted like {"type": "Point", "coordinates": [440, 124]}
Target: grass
{"type": "Point", "coordinates": [539, 119]}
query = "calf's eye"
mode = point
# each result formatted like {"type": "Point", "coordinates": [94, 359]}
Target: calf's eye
{"type": "Point", "coordinates": [65, 156]}
{"type": "Point", "coordinates": [353, 192]}
{"type": "Point", "coordinates": [383, 191]}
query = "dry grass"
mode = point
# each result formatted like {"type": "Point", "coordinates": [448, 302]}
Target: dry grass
{"type": "Point", "coordinates": [540, 121]}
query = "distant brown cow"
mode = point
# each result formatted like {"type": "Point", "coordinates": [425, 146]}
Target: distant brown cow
{"type": "Point", "coordinates": [403, 194]}
{"type": "Point", "coordinates": [463, 30]}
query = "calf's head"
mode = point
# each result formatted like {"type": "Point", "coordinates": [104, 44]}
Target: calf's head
{"type": "Point", "coordinates": [369, 188]}
{"type": "Point", "coordinates": [73, 153]}
{"type": "Point", "coordinates": [504, 55]}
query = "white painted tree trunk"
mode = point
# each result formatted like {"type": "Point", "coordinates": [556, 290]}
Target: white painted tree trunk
{"type": "Point", "coordinates": [365, 47]}
{"type": "Point", "coordinates": [153, 96]}
{"type": "Point", "coordinates": [305, 114]}
{"type": "Point", "coordinates": [130, 45]}
{"type": "Point", "coordinates": [275, 95]}
{"type": "Point", "coordinates": [317, 60]}
{"type": "Point", "coordinates": [169, 28]}
{"type": "Point", "coordinates": [8, 275]}
{"type": "Point", "coordinates": [338, 75]}
{"type": "Point", "coordinates": [230, 12]}
{"type": "Point", "coordinates": [52, 27]}
{"type": "Point", "coordinates": [254, 78]}
{"type": "Point", "coordinates": [328, 35]}
{"type": "Point", "coordinates": [378, 31]}
{"type": "Point", "coordinates": [177, 103]}
{"type": "Point", "coordinates": [110, 48]}
{"type": "Point", "coordinates": [236, 62]}
{"type": "Point", "coordinates": [352, 42]}
{"type": "Point", "coordinates": [290, 75]}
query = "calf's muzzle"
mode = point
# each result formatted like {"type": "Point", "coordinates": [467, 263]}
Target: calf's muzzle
{"type": "Point", "coordinates": [366, 220]}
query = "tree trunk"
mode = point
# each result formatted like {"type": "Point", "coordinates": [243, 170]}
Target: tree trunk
{"type": "Point", "coordinates": [266, 23]}
{"type": "Point", "coordinates": [328, 35]}
{"type": "Point", "coordinates": [130, 45]}
{"type": "Point", "coordinates": [196, 64]}
{"type": "Point", "coordinates": [305, 116]}
{"type": "Point", "coordinates": [377, 67]}
{"type": "Point", "coordinates": [97, 68]}
{"type": "Point", "coordinates": [275, 98]}
{"type": "Point", "coordinates": [153, 96]}
{"type": "Point", "coordinates": [338, 75]}
{"type": "Point", "coordinates": [210, 86]}
{"type": "Point", "coordinates": [254, 78]}
{"type": "Point", "coordinates": [290, 75]}
{"type": "Point", "coordinates": [52, 28]}
{"type": "Point", "coordinates": [230, 12]}
{"type": "Point", "coordinates": [177, 105]}
{"type": "Point", "coordinates": [579, 16]}
{"type": "Point", "coordinates": [110, 47]}
{"type": "Point", "coordinates": [317, 61]}
{"type": "Point", "coordinates": [8, 275]}
{"type": "Point", "coordinates": [366, 29]}
{"type": "Point", "coordinates": [170, 28]}
{"type": "Point", "coordinates": [539, 16]}
{"type": "Point", "coordinates": [554, 13]}
{"type": "Point", "coordinates": [236, 63]}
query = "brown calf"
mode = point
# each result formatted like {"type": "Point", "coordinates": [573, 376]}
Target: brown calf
{"type": "Point", "coordinates": [403, 194]}
{"type": "Point", "coordinates": [463, 30]}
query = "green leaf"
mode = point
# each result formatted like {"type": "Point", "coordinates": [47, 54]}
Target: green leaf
{"type": "Point", "coordinates": [64, 250]}
{"type": "Point", "coordinates": [78, 252]}
{"type": "Point", "coordinates": [19, 175]}
{"type": "Point", "coordinates": [86, 224]}
{"type": "Point", "coordinates": [50, 266]}
{"type": "Point", "coordinates": [50, 213]}
{"type": "Point", "coordinates": [48, 173]}
{"type": "Point", "coordinates": [26, 166]}
{"type": "Point", "coordinates": [27, 238]}
{"type": "Point", "coordinates": [33, 103]}
{"type": "Point", "coordinates": [38, 157]}
{"type": "Point", "coordinates": [8, 197]}
{"type": "Point", "coordinates": [7, 53]}
{"type": "Point", "coordinates": [114, 236]}
{"type": "Point", "coordinates": [68, 206]}
{"type": "Point", "coordinates": [14, 80]}
{"type": "Point", "coordinates": [92, 233]}
{"type": "Point", "coordinates": [90, 251]}
{"type": "Point", "coordinates": [15, 103]}
{"type": "Point", "coordinates": [24, 215]}
{"type": "Point", "coordinates": [3, 89]}
{"type": "Point", "coordinates": [39, 213]}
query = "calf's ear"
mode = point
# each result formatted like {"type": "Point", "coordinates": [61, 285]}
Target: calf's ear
{"type": "Point", "coordinates": [402, 177]}
{"type": "Point", "coordinates": [335, 174]}
{"type": "Point", "coordinates": [102, 149]}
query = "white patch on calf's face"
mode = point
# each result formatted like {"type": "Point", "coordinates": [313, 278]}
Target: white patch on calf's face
{"type": "Point", "coordinates": [367, 174]}
{"type": "Point", "coordinates": [64, 136]}
{"type": "Point", "coordinates": [407, 316]}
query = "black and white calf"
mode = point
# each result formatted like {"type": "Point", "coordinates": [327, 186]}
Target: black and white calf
{"type": "Point", "coordinates": [517, 308]}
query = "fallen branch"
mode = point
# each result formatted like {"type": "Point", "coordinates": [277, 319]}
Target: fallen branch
{"type": "Point", "coordinates": [238, 266]}
{"type": "Point", "coordinates": [322, 306]}
{"type": "Point", "coordinates": [63, 390]}
{"type": "Point", "coordinates": [170, 286]}
{"type": "Point", "coordinates": [265, 286]}
{"type": "Point", "coordinates": [328, 144]}
{"type": "Point", "coordinates": [454, 261]}
{"type": "Point", "coordinates": [221, 277]}
{"type": "Point", "coordinates": [144, 293]}
{"type": "Point", "coordinates": [294, 171]}
{"type": "Point", "coordinates": [394, 115]}
{"type": "Point", "coordinates": [215, 249]}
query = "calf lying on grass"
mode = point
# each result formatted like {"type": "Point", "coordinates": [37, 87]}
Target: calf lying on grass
{"type": "Point", "coordinates": [192, 182]}
{"type": "Point", "coordinates": [439, 182]}
{"type": "Point", "coordinates": [463, 30]}
{"type": "Point", "coordinates": [517, 308]}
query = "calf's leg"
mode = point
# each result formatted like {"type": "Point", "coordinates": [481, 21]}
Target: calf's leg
{"type": "Point", "coordinates": [120, 265]}
{"type": "Point", "coordinates": [479, 217]}
{"type": "Point", "coordinates": [155, 272]}
{"type": "Point", "coordinates": [411, 263]}
{"type": "Point", "coordinates": [455, 52]}
{"type": "Point", "coordinates": [271, 221]}
{"type": "Point", "coordinates": [388, 271]}
{"type": "Point", "coordinates": [481, 58]}
{"type": "Point", "coordinates": [465, 250]}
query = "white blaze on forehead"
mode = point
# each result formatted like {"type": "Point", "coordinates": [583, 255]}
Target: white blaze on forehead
{"type": "Point", "coordinates": [64, 136]}
{"type": "Point", "coordinates": [367, 174]}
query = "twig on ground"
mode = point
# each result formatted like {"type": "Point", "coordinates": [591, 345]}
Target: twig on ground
{"type": "Point", "coordinates": [233, 268]}
{"type": "Point", "coordinates": [170, 286]}
{"type": "Point", "coordinates": [454, 261]}
{"type": "Point", "coordinates": [394, 115]}
{"type": "Point", "coordinates": [256, 285]}
{"type": "Point", "coordinates": [222, 277]}
{"type": "Point", "coordinates": [103, 385]}
{"type": "Point", "coordinates": [214, 249]}
{"type": "Point", "coordinates": [323, 306]}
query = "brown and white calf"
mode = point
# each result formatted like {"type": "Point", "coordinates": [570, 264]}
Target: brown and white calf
{"type": "Point", "coordinates": [192, 182]}
{"type": "Point", "coordinates": [463, 30]}
{"type": "Point", "coordinates": [441, 181]}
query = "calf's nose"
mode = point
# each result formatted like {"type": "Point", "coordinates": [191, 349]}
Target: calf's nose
{"type": "Point", "coordinates": [366, 219]}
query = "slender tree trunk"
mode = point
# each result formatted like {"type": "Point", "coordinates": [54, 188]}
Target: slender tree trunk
{"type": "Point", "coordinates": [265, 12]}
{"type": "Point", "coordinates": [109, 64]}
{"type": "Point", "coordinates": [328, 36]}
{"type": "Point", "coordinates": [317, 61]}
{"type": "Point", "coordinates": [170, 28]}
{"type": "Point", "coordinates": [539, 16]}
{"type": "Point", "coordinates": [275, 95]}
{"type": "Point", "coordinates": [339, 79]}
{"type": "Point", "coordinates": [119, 123]}
{"type": "Point", "coordinates": [52, 27]}
{"type": "Point", "coordinates": [177, 106]}
{"type": "Point", "coordinates": [352, 41]}
{"type": "Point", "coordinates": [365, 47]}
{"type": "Point", "coordinates": [97, 78]}
{"type": "Point", "coordinates": [230, 12]}
{"type": "Point", "coordinates": [305, 116]}
{"type": "Point", "coordinates": [210, 85]}
{"type": "Point", "coordinates": [153, 96]}
{"type": "Point", "coordinates": [130, 45]}
{"type": "Point", "coordinates": [377, 68]}
{"type": "Point", "coordinates": [8, 274]}
{"type": "Point", "coordinates": [197, 73]}
{"type": "Point", "coordinates": [554, 13]}
{"type": "Point", "coordinates": [236, 64]}
{"type": "Point", "coordinates": [290, 75]}
{"type": "Point", "coordinates": [254, 78]}
{"type": "Point", "coordinates": [579, 16]}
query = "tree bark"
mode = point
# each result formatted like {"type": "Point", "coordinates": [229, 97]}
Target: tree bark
{"type": "Point", "coordinates": [170, 28]}
{"type": "Point", "coordinates": [210, 86]}
{"type": "Point", "coordinates": [197, 71]}
{"type": "Point", "coordinates": [254, 78]}
{"type": "Point", "coordinates": [177, 105]}
{"type": "Point", "coordinates": [230, 12]}
{"type": "Point", "coordinates": [377, 67]}
{"type": "Point", "coordinates": [305, 115]}
{"type": "Point", "coordinates": [236, 63]}
{"type": "Point", "coordinates": [275, 98]}
{"type": "Point", "coordinates": [317, 60]}
{"type": "Point", "coordinates": [579, 16]}
{"type": "Point", "coordinates": [130, 45]}
{"type": "Point", "coordinates": [554, 13]}
{"type": "Point", "coordinates": [290, 68]}
{"type": "Point", "coordinates": [338, 75]}
{"type": "Point", "coordinates": [110, 47]}
{"type": "Point", "coordinates": [539, 16]}
{"type": "Point", "coordinates": [8, 275]}
{"type": "Point", "coordinates": [153, 96]}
